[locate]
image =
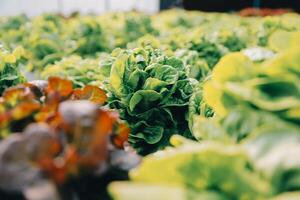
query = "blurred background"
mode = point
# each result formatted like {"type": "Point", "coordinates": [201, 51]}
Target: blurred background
{"type": "Point", "coordinates": [66, 7]}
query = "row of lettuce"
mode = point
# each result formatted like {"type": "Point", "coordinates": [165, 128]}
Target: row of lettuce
{"type": "Point", "coordinates": [49, 38]}
{"type": "Point", "coordinates": [57, 140]}
{"type": "Point", "coordinates": [229, 86]}
{"type": "Point", "coordinates": [246, 149]}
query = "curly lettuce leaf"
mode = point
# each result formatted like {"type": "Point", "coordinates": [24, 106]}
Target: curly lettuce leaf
{"type": "Point", "coordinates": [151, 92]}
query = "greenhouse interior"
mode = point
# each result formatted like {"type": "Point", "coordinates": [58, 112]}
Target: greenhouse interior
{"type": "Point", "coordinates": [150, 100]}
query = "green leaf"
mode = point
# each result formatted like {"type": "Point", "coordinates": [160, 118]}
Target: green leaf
{"type": "Point", "coordinates": [145, 98]}
{"type": "Point", "coordinates": [135, 78]}
{"type": "Point", "coordinates": [165, 73]}
{"type": "Point", "coordinates": [201, 167]}
{"type": "Point", "coordinates": [146, 191]}
{"type": "Point", "coordinates": [9, 78]}
{"type": "Point", "coordinates": [175, 62]}
{"type": "Point", "coordinates": [149, 93]}
{"type": "Point", "coordinates": [154, 84]}
{"type": "Point", "coordinates": [151, 134]}
{"type": "Point", "coordinates": [117, 74]}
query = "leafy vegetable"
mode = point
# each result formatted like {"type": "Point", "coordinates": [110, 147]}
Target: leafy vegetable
{"type": "Point", "coordinates": [195, 68]}
{"type": "Point", "coordinates": [60, 141]}
{"type": "Point", "coordinates": [230, 82]}
{"type": "Point", "coordinates": [246, 96]}
{"type": "Point", "coordinates": [208, 51]}
{"type": "Point", "coordinates": [151, 92]}
{"type": "Point", "coordinates": [38, 101]}
{"type": "Point", "coordinates": [90, 37]}
{"type": "Point", "coordinates": [81, 71]}
{"type": "Point", "coordinates": [10, 72]}
{"type": "Point", "coordinates": [199, 168]}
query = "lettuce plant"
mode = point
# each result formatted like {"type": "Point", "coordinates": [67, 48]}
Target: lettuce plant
{"type": "Point", "coordinates": [9, 68]}
{"type": "Point", "coordinates": [207, 170]}
{"type": "Point", "coordinates": [151, 92]}
{"type": "Point", "coordinates": [265, 166]}
{"type": "Point", "coordinates": [81, 71]}
{"type": "Point", "coordinates": [246, 96]}
{"type": "Point", "coordinates": [48, 121]}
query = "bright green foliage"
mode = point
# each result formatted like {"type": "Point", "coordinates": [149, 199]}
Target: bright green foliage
{"type": "Point", "coordinates": [151, 91]}
{"type": "Point", "coordinates": [219, 169]}
{"type": "Point", "coordinates": [198, 107]}
{"type": "Point", "coordinates": [81, 71]}
{"type": "Point", "coordinates": [208, 51]}
{"type": "Point", "coordinates": [265, 166]}
{"type": "Point", "coordinates": [246, 97]}
{"type": "Point", "coordinates": [123, 28]}
{"type": "Point", "coordinates": [195, 67]}
{"type": "Point", "coordinates": [10, 73]}
{"type": "Point", "coordinates": [230, 82]}
{"type": "Point", "coordinates": [89, 36]}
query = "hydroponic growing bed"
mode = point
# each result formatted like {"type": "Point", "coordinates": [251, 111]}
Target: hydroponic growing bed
{"type": "Point", "coordinates": [179, 105]}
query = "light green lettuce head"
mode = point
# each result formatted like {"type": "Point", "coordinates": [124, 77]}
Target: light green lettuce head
{"type": "Point", "coordinates": [151, 91]}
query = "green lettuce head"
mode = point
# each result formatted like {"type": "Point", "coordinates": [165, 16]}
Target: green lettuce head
{"type": "Point", "coordinates": [151, 91]}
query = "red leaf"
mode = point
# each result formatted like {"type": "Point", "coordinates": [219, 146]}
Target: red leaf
{"type": "Point", "coordinates": [12, 96]}
{"type": "Point", "coordinates": [121, 135]}
{"type": "Point", "coordinates": [91, 93]}
{"type": "Point", "coordinates": [60, 86]}
{"type": "Point", "coordinates": [24, 109]}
